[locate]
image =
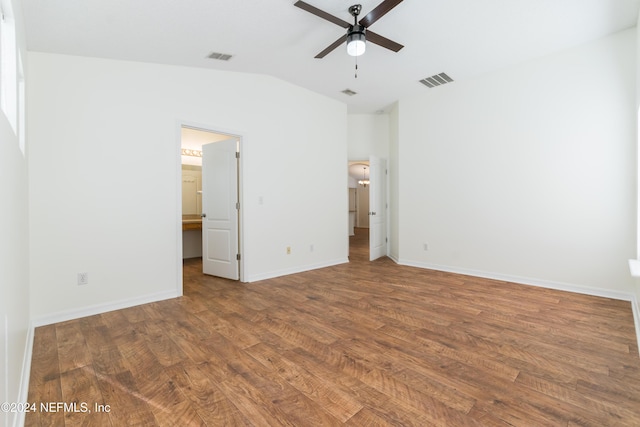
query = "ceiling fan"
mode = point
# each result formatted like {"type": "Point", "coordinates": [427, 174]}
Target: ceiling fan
{"type": "Point", "coordinates": [358, 32]}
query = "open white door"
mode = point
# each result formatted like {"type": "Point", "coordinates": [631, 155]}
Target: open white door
{"type": "Point", "coordinates": [220, 209]}
{"type": "Point", "coordinates": [377, 208]}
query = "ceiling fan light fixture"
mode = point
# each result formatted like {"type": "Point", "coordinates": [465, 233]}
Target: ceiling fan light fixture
{"type": "Point", "coordinates": [356, 41]}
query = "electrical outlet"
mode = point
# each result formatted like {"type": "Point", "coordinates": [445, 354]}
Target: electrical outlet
{"type": "Point", "coordinates": [288, 250]}
{"type": "Point", "coordinates": [83, 279]}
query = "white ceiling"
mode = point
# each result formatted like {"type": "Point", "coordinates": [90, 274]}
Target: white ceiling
{"type": "Point", "coordinates": [462, 38]}
{"type": "Point", "coordinates": [359, 170]}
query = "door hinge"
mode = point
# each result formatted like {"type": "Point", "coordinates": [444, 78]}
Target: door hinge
{"type": "Point", "coordinates": [238, 257]}
{"type": "Point", "coordinates": [237, 154]}
{"type": "Point", "coordinates": [386, 240]}
{"type": "Point", "coordinates": [238, 205]}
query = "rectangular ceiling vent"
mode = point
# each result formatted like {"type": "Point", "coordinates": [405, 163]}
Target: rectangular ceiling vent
{"type": "Point", "coordinates": [437, 80]}
{"type": "Point", "coordinates": [348, 92]}
{"type": "Point", "coordinates": [220, 56]}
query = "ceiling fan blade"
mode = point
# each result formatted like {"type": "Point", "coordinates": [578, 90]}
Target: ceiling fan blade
{"type": "Point", "coordinates": [379, 12]}
{"type": "Point", "coordinates": [331, 47]}
{"type": "Point", "coordinates": [383, 41]}
{"type": "Point", "coordinates": [322, 14]}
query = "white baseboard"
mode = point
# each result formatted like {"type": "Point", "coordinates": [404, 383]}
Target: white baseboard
{"type": "Point", "coordinates": [294, 270]}
{"type": "Point", "coordinates": [91, 310]}
{"type": "Point", "coordinates": [560, 286]}
{"type": "Point", "coordinates": [635, 307]}
{"type": "Point", "coordinates": [25, 375]}
{"type": "Point", "coordinates": [106, 307]}
{"type": "Point", "coordinates": [62, 316]}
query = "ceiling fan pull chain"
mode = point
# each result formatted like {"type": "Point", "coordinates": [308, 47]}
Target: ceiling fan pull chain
{"type": "Point", "coordinates": [356, 76]}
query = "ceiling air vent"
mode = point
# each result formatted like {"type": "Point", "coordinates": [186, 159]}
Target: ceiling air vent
{"type": "Point", "coordinates": [437, 80]}
{"type": "Point", "coordinates": [348, 92]}
{"type": "Point", "coordinates": [220, 56]}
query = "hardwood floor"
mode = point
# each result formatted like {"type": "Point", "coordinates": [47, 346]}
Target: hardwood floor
{"type": "Point", "coordinates": [360, 344]}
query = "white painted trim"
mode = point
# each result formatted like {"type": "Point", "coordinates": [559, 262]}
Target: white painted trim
{"type": "Point", "coordinates": [178, 207]}
{"type": "Point", "coordinates": [559, 286]}
{"type": "Point", "coordinates": [23, 392]}
{"type": "Point", "coordinates": [634, 267]}
{"type": "Point", "coordinates": [300, 269]}
{"type": "Point", "coordinates": [635, 307]}
{"type": "Point", "coordinates": [243, 138]}
{"type": "Point", "coordinates": [91, 310]}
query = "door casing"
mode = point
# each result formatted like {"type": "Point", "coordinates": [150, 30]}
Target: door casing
{"type": "Point", "coordinates": [178, 170]}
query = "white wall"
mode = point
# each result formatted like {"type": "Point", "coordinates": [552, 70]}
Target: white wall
{"type": "Point", "coordinates": [104, 176]}
{"type": "Point", "coordinates": [394, 185]}
{"type": "Point", "coordinates": [527, 173]}
{"type": "Point", "coordinates": [637, 257]}
{"type": "Point", "coordinates": [14, 259]}
{"type": "Point", "coordinates": [14, 267]}
{"type": "Point", "coordinates": [368, 134]}
{"type": "Point", "coordinates": [638, 72]}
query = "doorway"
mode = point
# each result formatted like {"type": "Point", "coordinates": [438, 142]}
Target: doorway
{"type": "Point", "coordinates": [368, 203]}
{"type": "Point", "coordinates": [210, 192]}
{"type": "Point", "coordinates": [358, 208]}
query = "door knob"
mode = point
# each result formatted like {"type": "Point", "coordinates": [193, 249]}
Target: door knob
{"type": "Point", "coordinates": [203, 215]}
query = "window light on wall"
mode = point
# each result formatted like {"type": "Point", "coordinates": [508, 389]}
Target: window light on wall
{"type": "Point", "coordinates": [22, 113]}
{"type": "Point", "coordinates": [8, 65]}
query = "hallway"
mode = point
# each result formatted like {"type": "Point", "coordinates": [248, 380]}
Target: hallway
{"type": "Point", "coordinates": [359, 245]}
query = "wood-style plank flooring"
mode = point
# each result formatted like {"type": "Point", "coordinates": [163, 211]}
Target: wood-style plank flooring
{"type": "Point", "coordinates": [359, 344]}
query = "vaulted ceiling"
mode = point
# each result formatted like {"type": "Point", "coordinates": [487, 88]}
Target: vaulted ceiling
{"type": "Point", "coordinates": [461, 38]}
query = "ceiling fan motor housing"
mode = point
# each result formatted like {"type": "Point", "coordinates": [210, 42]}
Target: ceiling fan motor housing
{"type": "Point", "coordinates": [357, 29]}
